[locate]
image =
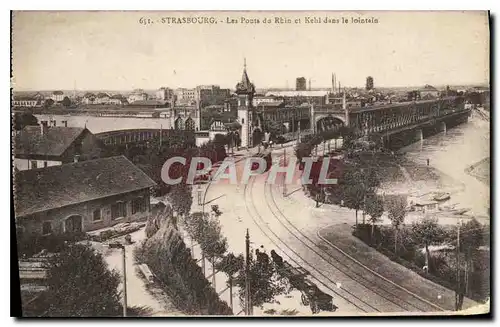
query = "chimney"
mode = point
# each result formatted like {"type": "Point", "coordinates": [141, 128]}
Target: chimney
{"type": "Point", "coordinates": [43, 127]}
{"type": "Point", "coordinates": [76, 158]}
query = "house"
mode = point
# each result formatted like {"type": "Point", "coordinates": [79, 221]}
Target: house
{"type": "Point", "coordinates": [89, 98]}
{"type": "Point", "coordinates": [117, 99]}
{"type": "Point", "coordinates": [45, 146]}
{"type": "Point", "coordinates": [81, 196]}
{"type": "Point", "coordinates": [429, 92]}
{"type": "Point", "coordinates": [28, 101]}
{"type": "Point", "coordinates": [102, 98]}
{"type": "Point", "coordinates": [137, 95]}
{"type": "Point", "coordinates": [57, 96]}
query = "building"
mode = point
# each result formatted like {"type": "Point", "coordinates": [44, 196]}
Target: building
{"type": "Point", "coordinates": [89, 98]}
{"type": "Point", "coordinates": [185, 97]}
{"type": "Point", "coordinates": [28, 101]}
{"type": "Point", "coordinates": [81, 196]}
{"type": "Point", "coordinates": [297, 98]}
{"type": "Point", "coordinates": [137, 95]}
{"type": "Point", "coordinates": [45, 146]}
{"type": "Point", "coordinates": [245, 91]}
{"type": "Point", "coordinates": [429, 92]}
{"type": "Point", "coordinates": [102, 98]}
{"type": "Point", "coordinates": [165, 94]}
{"type": "Point", "coordinates": [259, 99]}
{"type": "Point", "coordinates": [301, 84]}
{"type": "Point", "coordinates": [211, 95]}
{"type": "Point", "coordinates": [57, 96]}
{"type": "Point", "coordinates": [117, 99]}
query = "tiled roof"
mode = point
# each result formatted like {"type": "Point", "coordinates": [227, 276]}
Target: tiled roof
{"type": "Point", "coordinates": [48, 188]}
{"type": "Point", "coordinates": [53, 142]}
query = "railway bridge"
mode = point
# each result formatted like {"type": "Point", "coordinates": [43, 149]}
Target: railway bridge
{"type": "Point", "coordinates": [396, 124]}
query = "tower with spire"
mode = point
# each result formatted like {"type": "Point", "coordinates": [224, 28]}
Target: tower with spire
{"type": "Point", "coordinates": [245, 91]}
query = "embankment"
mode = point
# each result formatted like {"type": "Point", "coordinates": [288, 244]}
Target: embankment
{"type": "Point", "coordinates": [171, 262]}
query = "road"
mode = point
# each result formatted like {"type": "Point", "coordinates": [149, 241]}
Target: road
{"type": "Point", "coordinates": [290, 226]}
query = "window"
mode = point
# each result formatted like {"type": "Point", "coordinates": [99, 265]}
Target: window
{"type": "Point", "coordinates": [96, 215]}
{"type": "Point", "coordinates": [46, 228]}
{"type": "Point", "coordinates": [34, 164]}
{"type": "Point", "coordinates": [118, 210]}
{"type": "Point", "coordinates": [45, 164]}
{"type": "Point", "coordinates": [139, 205]}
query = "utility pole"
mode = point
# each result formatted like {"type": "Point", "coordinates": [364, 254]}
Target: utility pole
{"type": "Point", "coordinates": [121, 246]}
{"type": "Point", "coordinates": [161, 134]}
{"type": "Point", "coordinates": [298, 131]}
{"type": "Point", "coordinates": [284, 179]}
{"type": "Point", "coordinates": [248, 305]}
{"type": "Point", "coordinates": [458, 289]}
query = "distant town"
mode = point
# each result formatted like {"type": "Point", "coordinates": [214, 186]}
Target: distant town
{"type": "Point", "coordinates": [209, 104]}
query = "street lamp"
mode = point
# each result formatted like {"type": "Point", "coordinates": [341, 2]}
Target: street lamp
{"type": "Point", "coordinates": [121, 246]}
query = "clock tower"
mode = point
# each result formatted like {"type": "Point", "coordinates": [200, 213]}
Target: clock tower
{"type": "Point", "coordinates": [245, 91]}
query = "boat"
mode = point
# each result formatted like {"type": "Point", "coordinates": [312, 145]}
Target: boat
{"type": "Point", "coordinates": [442, 196]}
{"type": "Point", "coordinates": [461, 211]}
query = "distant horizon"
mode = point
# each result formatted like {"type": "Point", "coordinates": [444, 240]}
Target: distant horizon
{"type": "Point", "coordinates": [257, 89]}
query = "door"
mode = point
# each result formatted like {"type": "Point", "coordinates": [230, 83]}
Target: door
{"type": "Point", "coordinates": [73, 224]}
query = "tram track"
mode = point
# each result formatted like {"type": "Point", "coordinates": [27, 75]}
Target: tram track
{"type": "Point", "coordinates": [370, 281]}
{"type": "Point", "coordinates": [347, 295]}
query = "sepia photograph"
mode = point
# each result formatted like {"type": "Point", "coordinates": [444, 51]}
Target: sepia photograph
{"type": "Point", "coordinates": [251, 163]}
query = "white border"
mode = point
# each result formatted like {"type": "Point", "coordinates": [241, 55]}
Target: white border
{"type": "Point", "coordinates": [187, 5]}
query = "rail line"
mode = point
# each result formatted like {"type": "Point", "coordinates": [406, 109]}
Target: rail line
{"type": "Point", "coordinates": [248, 194]}
{"type": "Point", "coordinates": [359, 278]}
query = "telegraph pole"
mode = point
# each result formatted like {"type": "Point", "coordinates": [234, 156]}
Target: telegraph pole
{"type": "Point", "coordinates": [457, 291]}
{"type": "Point", "coordinates": [298, 130]}
{"type": "Point", "coordinates": [248, 305]}
{"type": "Point", "coordinates": [284, 179]}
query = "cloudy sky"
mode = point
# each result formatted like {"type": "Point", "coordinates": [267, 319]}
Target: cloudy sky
{"type": "Point", "coordinates": [113, 51]}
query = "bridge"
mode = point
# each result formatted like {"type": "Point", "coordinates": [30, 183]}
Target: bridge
{"type": "Point", "coordinates": [395, 122]}
{"type": "Point", "coordinates": [141, 136]}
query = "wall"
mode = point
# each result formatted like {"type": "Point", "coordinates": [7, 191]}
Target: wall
{"type": "Point", "coordinates": [33, 224]}
{"type": "Point", "coordinates": [25, 164]}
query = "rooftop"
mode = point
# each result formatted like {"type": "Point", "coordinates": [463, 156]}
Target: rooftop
{"type": "Point", "coordinates": [39, 190]}
{"type": "Point", "coordinates": [53, 142]}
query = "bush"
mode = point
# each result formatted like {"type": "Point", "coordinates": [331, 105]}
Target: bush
{"type": "Point", "coordinates": [28, 245]}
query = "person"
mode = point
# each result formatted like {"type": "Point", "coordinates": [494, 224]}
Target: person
{"type": "Point", "coordinates": [427, 161]}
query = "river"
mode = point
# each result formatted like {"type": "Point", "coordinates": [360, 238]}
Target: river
{"type": "Point", "coordinates": [452, 153]}
{"type": "Point", "coordinates": [106, 124]}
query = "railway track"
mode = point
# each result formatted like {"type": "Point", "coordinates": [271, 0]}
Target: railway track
{"type": "Point", "coordinates": [317, 275]}
{"type": "Point", "coordinates": [352, 269]}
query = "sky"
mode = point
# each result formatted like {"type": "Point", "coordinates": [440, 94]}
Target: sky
{"type": "Point", "coordinates": [114, 51]}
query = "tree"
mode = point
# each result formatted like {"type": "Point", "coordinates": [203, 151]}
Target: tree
{"type": "Point", "coordinates": [80, 285]}
{"type": "Point", "coordinates": [396, 209]}
{"type": "Point", "coordinates": [265, 282]}
{"type": "Point", "coordinates": [369, 83]}
{"type": "Point", "coordinates": [23, 119]}
{"type": "Point", "coordinates": [212, 243]}
{"type": "Point", "coordinates": [426, 232]}
{"type": "Point", "coordinates": [374, 207]}
{"type": "Point", "coordinates": [471, 238]}
{"type": "Point", "coordinates": [230, 265]}
{"type": "Point", "coordinates": [181, 198]}
{"type": "Point", "coordinates": [48, 103]}
{"type": "Point", "coordinates": [303, 150]}
{"type": "Point", "coordinates": [66, 102]}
